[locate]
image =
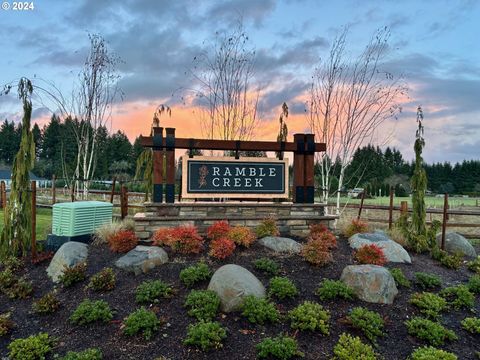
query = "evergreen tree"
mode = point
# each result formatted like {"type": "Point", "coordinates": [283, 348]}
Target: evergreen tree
{"type": "Point", "coordinates": [17, 230]}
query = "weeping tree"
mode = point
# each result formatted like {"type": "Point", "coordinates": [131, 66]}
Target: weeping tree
{"type": "Point", "coordinates": [144, 170]}
{"type": "Point", "coordinates": [17, 230]}
{"type": "Point", "coordinates": [283, 131]}
{"type": "Point", "coordinates": [419, 181]}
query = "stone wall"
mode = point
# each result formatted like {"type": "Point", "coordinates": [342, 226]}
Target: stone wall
{"type": "Point", "coordinates": [292, 219]}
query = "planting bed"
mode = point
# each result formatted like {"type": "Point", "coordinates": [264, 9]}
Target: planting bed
{"type": "Point", "coordinates": [242, 336]}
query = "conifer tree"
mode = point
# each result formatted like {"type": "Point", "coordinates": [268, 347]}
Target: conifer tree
{"type": "Point", "coordinates": [17, 230]}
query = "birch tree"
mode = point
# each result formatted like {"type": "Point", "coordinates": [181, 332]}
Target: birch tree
{"type": "Point", "coordinates": [223, 74]}
{"type": "Point", "coordinates": [349, 99]}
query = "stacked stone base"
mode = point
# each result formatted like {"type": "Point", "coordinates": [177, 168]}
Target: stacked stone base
{"type": "Point", "coordinates": [292, 219]}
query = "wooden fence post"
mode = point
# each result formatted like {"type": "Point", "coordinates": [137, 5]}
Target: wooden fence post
{"type": "Point", "coordinates": [124, 202]}
{"type": "Point", "coordinates": [112, 193]}
{"type": "Point", "coordinates": [361, 205]}
{"type": "Point", "coordinates": [445, 218]}
{"type": "Point", "coordinates": [390, 209]}
{"type": "Point", "coordinates": [170, 158]}
{"type": "Point", "coordinates": [404, 207]}
{"type": "Point", "coordinates": [54, 190]}
{"type": "Point", "coordinates": [157, 165]}
{"type": "Point", "coordinates": [299, 169]}
{"type": "Point", "coordinates": [3, 195]}
{"type": "Point", "coordinates": [34, 219]}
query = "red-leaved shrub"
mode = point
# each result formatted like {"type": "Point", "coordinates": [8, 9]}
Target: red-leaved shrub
{"type": "Point", "coordinates": [355, 227]}
{"type": "Point", "coordinates": [185, 240]}
{"type": "Point", "coordinates": [326, 237]}
{"type": "Point", "coordinates": [163, 236]}
{"type": "Point", "coordinates": [122, 241]}
{"type": "Point", "coordinates": [221, 248]}
{"type": "Point", "coordinates": [317, 229]}
{"type": "Point", "coordinates": [242, 235]}
{"type": "Point", "coordinates": [219, 229]}
{"type": "Point", "coordinates": [370, 254]}
{"type": "Point", "coordinates": [317, 252]}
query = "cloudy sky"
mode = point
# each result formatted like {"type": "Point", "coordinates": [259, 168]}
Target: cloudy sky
{"type": "Point", "coordinates": [434, 44]}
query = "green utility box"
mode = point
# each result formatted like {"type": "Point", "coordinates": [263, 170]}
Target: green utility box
{"type": "Point", "coordinates": [80, 217]}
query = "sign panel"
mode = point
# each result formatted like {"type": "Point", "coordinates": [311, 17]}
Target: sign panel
{"type": "Point", "coordinates": [210, 177]}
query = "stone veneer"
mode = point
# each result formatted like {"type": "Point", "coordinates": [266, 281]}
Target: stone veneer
{"type": "Point", "coordinates": [292, 219]}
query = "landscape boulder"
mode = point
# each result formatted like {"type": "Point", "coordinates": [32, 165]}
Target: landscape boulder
{"type": "Point", "coordinates": [371, 283]}
{"type": "Point", "coordinates": [394, 252]}
{"type": "Point", "coordinates": [455, 242]}
{"type": "Point", "coordinates": [232, 283]}
{"type": "Point", "coordinates": [142, 259]}
{"type": "Point", "coordinates": [68, 255]}
{"type": "Point", "coordinates": [281, 244]}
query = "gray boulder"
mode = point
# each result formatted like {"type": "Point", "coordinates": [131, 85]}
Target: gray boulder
{"type": "Point", "coordinates": [281, 244]}
{"type": "Point", "coordinates": [232, 283]}
{"type": "Point", "coordinates": [142, 259]}
{"type": "Point", "coordinates": [394, 252]}
{"type": "Point", "coordinates": [68, 255]}
{"type": "Point", "coordinates": [455, 242]}
{"type": "Point", "coordinates": [371, 283]}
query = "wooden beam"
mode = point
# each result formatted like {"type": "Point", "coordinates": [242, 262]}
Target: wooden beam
{"type": "Point", "coordinates": [170, 166]}
{"type": "Point", "coordinates": [157, 165]}
{"type": "Point", "coordinates": [205, 144]}
{"type": "Point", "coordinates": [299, 169]}
{"type": "Point", "coordinates": [309, 168]}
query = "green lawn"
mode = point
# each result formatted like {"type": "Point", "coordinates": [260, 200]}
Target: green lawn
{"type": "Point", "coordinates": [44, 222]}
{"type": "Point", "coordinates": [435, 202]}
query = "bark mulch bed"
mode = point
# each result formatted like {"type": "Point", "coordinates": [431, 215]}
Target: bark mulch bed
{"type": "Point", "coordinates": [242, 336]}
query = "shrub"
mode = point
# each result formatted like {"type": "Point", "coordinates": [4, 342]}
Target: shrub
{"type": "Point", "coordinates": [90, 311]}
{"type": "Point", "coordinates": [7, 279]}
{"type": "Point", "coordinates": [310, 316]}
{"type": "Point", "coordinates": [163, 236]}
{"type": "Point", "coordinates": [332, 289]}
{"type": "Point", "coordinates": [141, 320]}
{"type": "Point", "coordinates": [369, 322]}
{"type": "Point", "coordinates": [6, 324]}
{"type": "Point", "coordinates": [450, 261]}
{"type": "Point", "coordinates": [474, 265]}
{"type": "Point", "coordinates": [268, 227]}
{"type": "Point", "coordinates": [431, 353]}
{"type": "Point", "coordinates": [74, 274]}
{"type": "Point", "coordinates": [355, 227]}
{"type": "Point", "coordinates": [221, 248]}
{"type": "Point", "coordinates": [104, 280]}
{"type": "Point", "coordinates": [21, 289]}
{"type": "Point", "coordinates": [151, 291]}
{"type": "Point", "coordinates": [185, 240]}
{"type": "Point", "coordinates": [103, 233]}
{"type": "Point", "coordinates": [471, 324]}
{"type": "Point", "coordinates": [47, 304]}
{"type": "Point", "coordinates": [267, 265]}
{"type": "Point", "coordinates": [397, 235]}
{"type": "Point", "coordinates": [242, 235]}
{"type": "Point", "coordinates": [202, 304]}
{"type": "Point", "coordinates": [195, 273]}
{"type": "Point", "coordinates": [430, 305]}
{"type": "Point", "coordinates": [280, 347]}
{"type": "Point", "coordinates": [316, 252]}
{"type": "Point", "coordinates": [259, 310]}
{"type": "Point", "coordinates": [282, 287]}
{"type": "Point", "coordinates": [427, 281]}
{"type": "Point", "coordinates": [123, 241]}
{"type": "Point", "coordinates": [432, 332]}
{"type": "Point", "coordinates": [12, 263]}
{"type": "Point", "coordinates": [459, 296]}
{"type": "Point", "coordinates": [399, 277]}
{"type": "Point", "coordinates": [87, 354]}
{"type": "Point", "coordinates": [32, 348]}
{"type": "Point", "coordinates": [474, 284]}
{"type": "Point", "coordinates": [370, 254]}
{"type": "Point", "coordinates": [219, 229]}
{"type": "Point", "coordinates": [352, 348]}
{"type": "Point", "coordinates": [205, 335]}
{"type": "Point", "coordinates": [316, 229]}
{"type": "Point", "coordinates": [326, 237]}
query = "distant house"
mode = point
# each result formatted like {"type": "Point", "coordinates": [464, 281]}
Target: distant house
{"type": "Point", "coordinates": [6, 175]}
